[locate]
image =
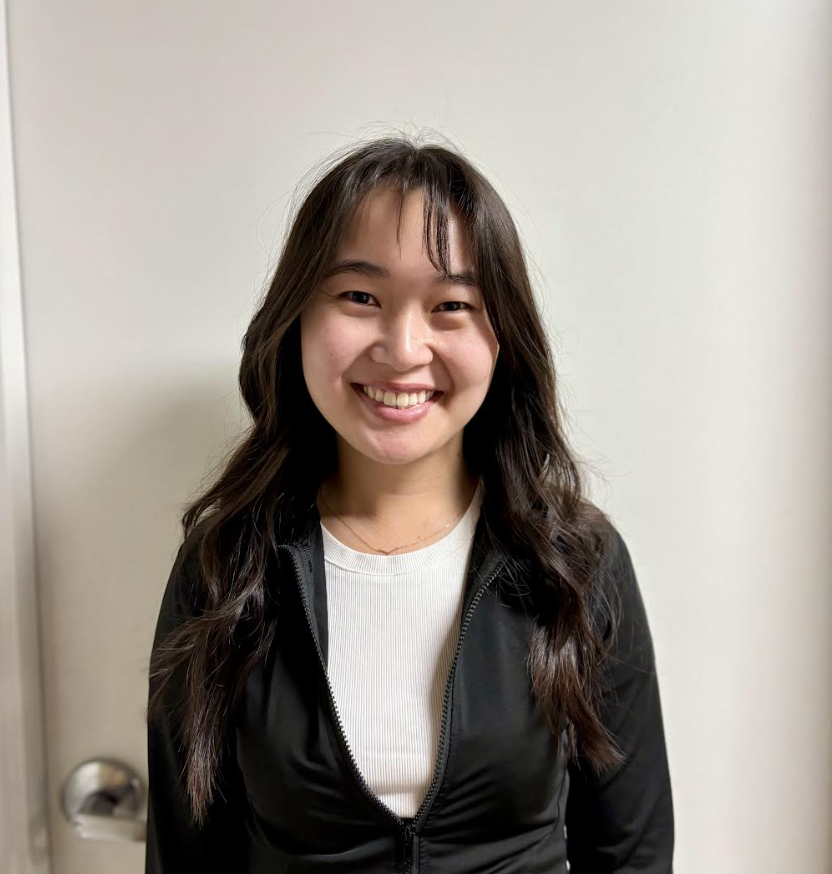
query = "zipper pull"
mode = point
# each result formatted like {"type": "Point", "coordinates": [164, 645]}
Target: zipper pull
{"type": "Point", "coordinates": [408, 849]}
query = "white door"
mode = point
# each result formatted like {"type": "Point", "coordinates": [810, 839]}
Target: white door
{"type": "Point", "coordinates": [118, 351]}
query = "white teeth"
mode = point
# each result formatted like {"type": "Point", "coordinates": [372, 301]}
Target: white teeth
{"type": "Point", "coordinates": [400, 400]}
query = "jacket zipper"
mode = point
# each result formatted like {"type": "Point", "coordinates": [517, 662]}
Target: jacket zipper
{"type": "Point", "coordinates": [407, 830]}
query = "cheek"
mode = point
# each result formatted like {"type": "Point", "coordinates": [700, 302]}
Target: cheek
{"type": "Point", "coordinates": [471, 365]}
{"type": "Point", "coordinates": [325, 350]}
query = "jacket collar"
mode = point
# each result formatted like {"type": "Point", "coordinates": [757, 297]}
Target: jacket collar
{"type": "Point", "coordinates": [308, 549]}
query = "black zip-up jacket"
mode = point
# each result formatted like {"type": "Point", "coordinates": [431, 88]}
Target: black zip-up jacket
{"type": "Point", "coordinates": [502, 799]}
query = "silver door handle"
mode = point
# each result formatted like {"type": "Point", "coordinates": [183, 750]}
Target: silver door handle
{"type": "Point", "coordinates": [102, 799]}
{"type": "Point", "coordinates": [109, 828]}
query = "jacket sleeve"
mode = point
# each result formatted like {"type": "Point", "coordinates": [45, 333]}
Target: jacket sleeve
{"type": "Point", "coordinates": [174, 844]}
{"type": "Point", "coordinates": [621, 821]}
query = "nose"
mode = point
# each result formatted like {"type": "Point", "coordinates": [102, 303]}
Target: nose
{"type": "Point", "coordinates": [404, 342]}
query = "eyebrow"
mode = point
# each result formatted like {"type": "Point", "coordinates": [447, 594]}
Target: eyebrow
{"type": "Point", "coordinates": [376, 271]}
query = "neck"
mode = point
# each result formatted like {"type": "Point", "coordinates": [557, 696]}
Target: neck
{"type": "Point", "coordinates": [392, 505]}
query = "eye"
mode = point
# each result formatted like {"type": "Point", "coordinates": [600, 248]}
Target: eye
{"type": "Point", "coordinates": [356, 292]}
{"type": "Point", "coordinates": [460, 302]}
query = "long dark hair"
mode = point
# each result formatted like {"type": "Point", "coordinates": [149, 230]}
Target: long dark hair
{"type": "Point", "coordinates": [534, 503]}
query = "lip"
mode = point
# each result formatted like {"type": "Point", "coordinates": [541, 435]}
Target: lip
{"type": "Point", "coordinates": [381, 385]}
{"type": "Point", "coordinates": [393, 414]}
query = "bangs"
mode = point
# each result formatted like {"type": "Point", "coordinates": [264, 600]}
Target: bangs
{"type": "Point", "coordinates": [444, 189]}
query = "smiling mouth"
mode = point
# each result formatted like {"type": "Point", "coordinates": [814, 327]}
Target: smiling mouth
{"type": "Point", "coordinates": [421, 397]}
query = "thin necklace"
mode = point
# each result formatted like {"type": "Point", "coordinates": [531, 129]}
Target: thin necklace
{"type": "Point", "coordinates": [378, 549]}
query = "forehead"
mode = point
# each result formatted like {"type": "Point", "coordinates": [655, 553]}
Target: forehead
{"type": "Point", "coordinates": [371, 233]}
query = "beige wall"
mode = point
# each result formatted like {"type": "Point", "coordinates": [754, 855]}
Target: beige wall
{"type": "Point", "coordinates": [669, 166]}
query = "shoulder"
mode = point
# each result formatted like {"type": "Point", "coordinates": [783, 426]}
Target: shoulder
{"type": "Point", "coordinates": [618, 575]}
{"type": "Point", "coordinates": [183, 594]}
{"type": "Point", "coordinates": [614, 594]}
{"type": "Point", "coordinates": [627, 629]}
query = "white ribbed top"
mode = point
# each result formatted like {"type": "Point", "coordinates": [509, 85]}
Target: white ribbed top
{"type": "Point", "coordinates": [393, 628]}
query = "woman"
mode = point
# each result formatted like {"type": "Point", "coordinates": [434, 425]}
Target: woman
{"type": "Point", "coordinates": [397, 636]}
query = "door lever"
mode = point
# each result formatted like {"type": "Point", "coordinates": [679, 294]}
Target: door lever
{"type": "Point", "coordinates": [102, 798]}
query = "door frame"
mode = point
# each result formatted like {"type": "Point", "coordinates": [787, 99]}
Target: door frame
{"type": "Point", "coordinates": [24, 821]}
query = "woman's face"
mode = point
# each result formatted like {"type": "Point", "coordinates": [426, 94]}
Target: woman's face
{"type": "Point", "coordinates": [391, 321]}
